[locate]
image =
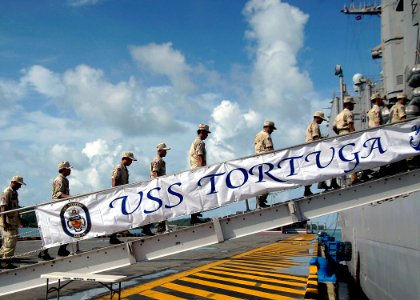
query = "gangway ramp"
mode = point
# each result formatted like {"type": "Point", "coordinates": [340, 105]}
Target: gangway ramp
{"type": "Point", "coordinates": [218, 230]}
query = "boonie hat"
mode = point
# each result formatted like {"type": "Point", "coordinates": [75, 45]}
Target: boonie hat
{"type": "Point", "coordinates": [375, 96]}
{"type": "Point", "coordinates": [349, 99]}
{"type": "Point", "coordinates": [162, 146]}
{"type": "Point", "coordinates": [18, 179]}
{"type": "Point", "coordinates": [320, 114]}
{"type": "Point", "coordinates": [129, 154]}
{"type": "Point", "coordinates": [402, 96]}
{"type": "Point", "coordinates": [64, 165]}
{"type": "Point", "coordinates": [204, 127]}
{"type": "Point", "coordinates": [269, 124]}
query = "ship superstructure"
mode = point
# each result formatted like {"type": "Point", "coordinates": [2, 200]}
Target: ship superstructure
{"type": "Point", "coordinates": [385, 235]}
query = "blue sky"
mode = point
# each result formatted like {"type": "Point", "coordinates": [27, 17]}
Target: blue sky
{"type": "Point", "coordinates": [84, 80]}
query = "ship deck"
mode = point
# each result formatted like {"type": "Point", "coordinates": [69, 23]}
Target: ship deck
{"type": "Point", "coordinates": [268, 265]}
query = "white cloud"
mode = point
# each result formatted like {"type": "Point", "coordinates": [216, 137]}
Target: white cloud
{"type": "Point", "coordinates": [126, 106]}
{"type": "Point", "coordinates": [276, 35]}
{"type": "Point", "coordinates": [44, 81]}
{"type": "Point", "coordinates": [98, 147]}
{"type": "Point", "coordinates": [10, 92]}
{"type": "Point", "coordinates": [230, 128]}
{"type": "Point", "coordinates": [163, 59]}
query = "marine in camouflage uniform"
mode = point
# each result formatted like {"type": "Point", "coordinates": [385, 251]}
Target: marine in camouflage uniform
{"type": "Point", "coordinates": [158, 168]}
{"type": "Point", "coordinates": [9, 223]}
{"type": "Point", "coordinates": [397, 114]}
{"type": "Point", "coordinates": [313, 133]}
{"type": "Point", "coordinates": [263, 143]}
{"type": "Point", "coordinates": [375, 120]}
{"type": "Point", "coordinates": [198, 158]}
{"type": "Point", "coordinates": [120, 176]}
{"type": "Point", "coordinates": [344, 121]}
{"type": "Point", "coordinates": [397, 111]}
{"type": "Point", "coordinates": [60, 190]}
{"type": "Point", "coordinates": [343, 125]}
{"type": "Point", "coordinates": [374, 114]}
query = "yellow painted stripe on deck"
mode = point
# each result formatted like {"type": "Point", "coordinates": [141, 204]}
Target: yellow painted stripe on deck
{"type": "Point", "coordinates": [159, 295]}
{"type": "Point", "coordinates": [252, 283]}
{"type": "Point", "coordinates": [290, 247]}
{"type": "Point", "coordinates": [198, 292]}
{"type": "Point", "coordinates": [255, 265]}
{"type": "Point", "coordinates": [150, 285]}
{"type": "Point", "coordinates": [267, 273]}
{"type": "Point", "coordinates": [259, 278]}
{"type": "Point", "coordinates": [265, 264]}
{"type": "Point", "coordinates": [236, 289]}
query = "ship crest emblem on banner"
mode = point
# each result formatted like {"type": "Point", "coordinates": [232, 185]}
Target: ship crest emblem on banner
{"type": "Point", "coordinates": [415, 139]}
{"type": "Point", "coordinates": [75, 219]}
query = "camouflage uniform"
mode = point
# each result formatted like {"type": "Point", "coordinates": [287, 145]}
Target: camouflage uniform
{"type": "Point", "coordinates": [312, 131]}
{"type": "Point", "coordinates": [263, 143]}
{"type": "Point", "coordinates": [343, 121]}
{"type": "Point", "coordinates": [374, 116]}
{"type": "Point", "coordinates": [9, 236]}
{"type": "Point", "coordinates": [60, 186]}
{"type": "Point", "coordinates": [120, 174]}
{"type": "Point", "coordinates": [198, 147]}
{"type": "Point", "coordinates": [397, 112]}
{"type": "Point", "coordinates": [158, 166]}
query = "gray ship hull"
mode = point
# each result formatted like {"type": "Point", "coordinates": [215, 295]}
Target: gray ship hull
{"type": "Point", "coordinates": [386, 247]}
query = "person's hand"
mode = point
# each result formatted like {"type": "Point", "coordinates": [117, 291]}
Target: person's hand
{"type": "Point", "coordinates": [5, 225]}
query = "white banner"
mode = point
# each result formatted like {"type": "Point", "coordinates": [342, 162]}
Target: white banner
{"type": "Point", "coordinates": [133, 205]}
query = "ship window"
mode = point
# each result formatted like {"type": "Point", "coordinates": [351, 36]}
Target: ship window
{"type": "Point", "coordinates": [399, 79]}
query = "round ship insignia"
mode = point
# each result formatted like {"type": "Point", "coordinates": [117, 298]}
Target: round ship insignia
{"type": "Point", "coordinates": [415, 139]}
{"type": "Point", "coordinates": [75, 219]}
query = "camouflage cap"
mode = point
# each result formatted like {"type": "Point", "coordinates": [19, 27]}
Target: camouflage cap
{"type": "Point", "coordinates": [402, 96]}
{"type": "Point", "coordinates": [320, 114]}
{"type": "Point", "coordinates": [269, 124]}
{"type": "Point", "coordinates": [64, 165]}
{"type": "Point", "coordinates": [162, 146]}
{"type": "Point", "coordinates": [204, 127]}
{"type": "Point", "coordinates": [18, 179]}
{"type": "Point", "coordinates": [375, 96]}
{"type": "Point", "coordinates": [129, 155]}
{"type": "Point", "coordinates": [349, 99]}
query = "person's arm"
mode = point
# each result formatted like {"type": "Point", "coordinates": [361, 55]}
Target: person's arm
{"type": "Point", "coordinates": [116, 173]}
{"type": "Point", "coordinates": [63, 195]}
{"type": "Point", "coordinates": [402, 113]}
{"type": "Point", "coordinates": [335, 129]}
{"type": "Point", "coordinates": [200, 160]}
{"type": "Point", "coordinates": [59, 190]}
{"type": "Point", "coordinates": [349, 119]}
{"type": "Point", "coordinates": [3, 217]}
{"type": "Point", "coordinates": [269, 143]}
